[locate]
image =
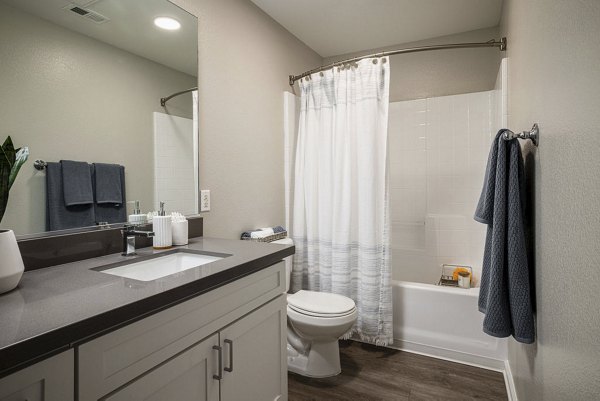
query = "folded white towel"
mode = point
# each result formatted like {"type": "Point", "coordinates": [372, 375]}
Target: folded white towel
{"type": "Point", "coordinates": [262, 233]}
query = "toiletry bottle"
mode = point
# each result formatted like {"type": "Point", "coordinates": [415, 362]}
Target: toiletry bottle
{"type": "Point", "coordinates": [161, 225]}
{"type": "Point", "coordinates": [137, 218]}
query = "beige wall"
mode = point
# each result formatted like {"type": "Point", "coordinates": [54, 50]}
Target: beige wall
{"type": "Point", "coordinates": [67, 96]}
{"type": "Point", "coordinates": [443, 72]}
{"type": "Point", "coordinates": [245, 59]}
{"type": "Point", "coordinates": [554, 79]}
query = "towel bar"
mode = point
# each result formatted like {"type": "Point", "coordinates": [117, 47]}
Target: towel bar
{"type": "Point", "coordinates": [533, 134]}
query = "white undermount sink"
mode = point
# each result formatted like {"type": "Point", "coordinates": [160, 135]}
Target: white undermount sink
{"type": "Point", "coordinates": [161, 266]}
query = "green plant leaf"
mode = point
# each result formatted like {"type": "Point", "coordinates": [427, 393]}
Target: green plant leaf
{"type": "Point", "coordinates": [11, 161]}
{"type": "Point", "coordinates": [5, 168]}
{"type": "Point", "coordinates": [20, 159]}
{"type": "Point", "coordinates": [9, 150]}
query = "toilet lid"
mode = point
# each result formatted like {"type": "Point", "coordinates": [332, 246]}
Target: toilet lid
{"type": "Point", "coordinates": [320, 303]}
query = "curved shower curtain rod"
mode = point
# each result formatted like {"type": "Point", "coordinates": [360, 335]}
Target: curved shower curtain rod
{"type": "Point", "coordinates": [500, 44]}
{"type": "Point", "coordinates": [164, 100]}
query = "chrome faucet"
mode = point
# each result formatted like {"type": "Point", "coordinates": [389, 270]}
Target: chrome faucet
{"type": "Point", "coordinates": [129, 234]}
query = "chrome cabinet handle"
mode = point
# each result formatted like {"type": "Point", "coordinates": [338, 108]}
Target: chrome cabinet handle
{"type": "Point", "coordinates": [230, 368]}
{"type": "Point", "coordinates": [220, 351]}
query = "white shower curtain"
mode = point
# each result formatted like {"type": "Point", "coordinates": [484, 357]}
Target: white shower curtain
{"type": "Point", "coordinates": [340, 218]}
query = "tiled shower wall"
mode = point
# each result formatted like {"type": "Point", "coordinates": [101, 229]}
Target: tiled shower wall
{"type": "Point", "coordinates": [176, 164]}
{"type": "Point", "coordinates": [438, 150]}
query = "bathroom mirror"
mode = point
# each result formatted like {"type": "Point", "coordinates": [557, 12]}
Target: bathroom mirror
{"type": "Point", "coordinates": [82, 80]}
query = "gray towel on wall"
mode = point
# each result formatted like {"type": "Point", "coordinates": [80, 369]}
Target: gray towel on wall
{"type": "Point", "coordinates": [112, 212]}
{"type": "Point", "coordinates": [59, 216]}
{"type": "Point", "coordinates": [77, 183]}
{"type": "Point", "coordinates": [107, 180]}
{"type": "Point", "coordinates": [505, 293]}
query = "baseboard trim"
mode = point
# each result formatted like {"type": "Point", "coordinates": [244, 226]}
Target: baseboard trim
{"type": "Point", "coordinates": [510, 382]}
{"type": "Point", "coordinates": [450, 355]}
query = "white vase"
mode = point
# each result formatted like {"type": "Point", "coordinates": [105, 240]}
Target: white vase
{"type": "Point", "coordinates": [11, 263]}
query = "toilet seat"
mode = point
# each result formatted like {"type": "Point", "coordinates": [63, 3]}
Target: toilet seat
{"type": "Point", "coordinates": [319, 321]}
{"type": "Point", "coordinates": [321, 304]}
{"type": "Point", "coordinates": [321, 315]}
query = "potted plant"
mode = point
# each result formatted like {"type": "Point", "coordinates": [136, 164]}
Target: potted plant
{"type": "Point", "coordinates": [11, 263]}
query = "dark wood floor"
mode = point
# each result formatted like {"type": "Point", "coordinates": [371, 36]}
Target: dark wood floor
{"type": "Point", "coordinates": [372, 373]}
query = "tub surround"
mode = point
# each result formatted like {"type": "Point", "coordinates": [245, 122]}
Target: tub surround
{"type": "Point", "coordinates": [59, 307]}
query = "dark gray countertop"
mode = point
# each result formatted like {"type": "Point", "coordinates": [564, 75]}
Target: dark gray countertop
{"type": "Point", "coordinates": [58, 307]}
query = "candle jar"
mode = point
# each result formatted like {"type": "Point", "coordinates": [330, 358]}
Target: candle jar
{"type": "Point", "coordinates": [464, 280]}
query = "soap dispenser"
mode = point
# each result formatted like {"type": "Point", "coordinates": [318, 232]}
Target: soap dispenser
{"type": "Point", "coordinates": [137, 218]}
{"type": "Point", "coordinates": [161, 225]}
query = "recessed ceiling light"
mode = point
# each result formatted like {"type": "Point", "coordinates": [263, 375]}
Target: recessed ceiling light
{"type": "Point", "coordinates": [167, 23]}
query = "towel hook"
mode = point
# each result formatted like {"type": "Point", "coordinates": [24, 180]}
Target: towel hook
{"type": "Point", "coordinates": [533, 134]}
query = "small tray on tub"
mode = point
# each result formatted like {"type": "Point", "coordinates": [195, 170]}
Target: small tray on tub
{"type": "Point", "coordinates": [449, 275]}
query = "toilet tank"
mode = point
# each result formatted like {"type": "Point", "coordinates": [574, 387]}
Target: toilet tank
{"type": "Point", "coordinates": [288, 262]}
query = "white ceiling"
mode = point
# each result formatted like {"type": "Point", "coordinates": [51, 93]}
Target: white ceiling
{"type": "Point", "coordinates": [333, 27]}
{"type": "Point", "coordinates": [130, 27]}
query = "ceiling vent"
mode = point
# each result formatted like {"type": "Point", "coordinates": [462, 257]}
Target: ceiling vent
{"type": "Point", "coordinates": [87, 13]}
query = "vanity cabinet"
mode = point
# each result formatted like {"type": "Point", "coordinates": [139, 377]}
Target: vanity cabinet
{"type": "Point", "coordinates": [226, 344]}
{"type": "Point", "coordinates": [53, 379]}
{"type": "Point", "coordinates": [244, 361]}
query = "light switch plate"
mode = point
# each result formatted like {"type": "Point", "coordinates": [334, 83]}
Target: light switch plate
{"type": "Point", "coordinates": [205, 200]}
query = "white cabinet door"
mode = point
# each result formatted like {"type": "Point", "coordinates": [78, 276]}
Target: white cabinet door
{"type": "Point", "coordinates": [186, 377]}
{"type": "Point", "coordinates": [254, 358]}
{"type": "Point", "coordinates": [52, 379]}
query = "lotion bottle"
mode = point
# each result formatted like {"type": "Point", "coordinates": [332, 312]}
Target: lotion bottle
{"type": "Point", "coordinates": [161, 225]}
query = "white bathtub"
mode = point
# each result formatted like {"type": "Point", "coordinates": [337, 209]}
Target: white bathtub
{"type": "Point", "coordinates": [444, 322]}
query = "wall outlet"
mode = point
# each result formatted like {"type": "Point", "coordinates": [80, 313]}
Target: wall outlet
{"type": "Point", "coordinates": [205, 200]}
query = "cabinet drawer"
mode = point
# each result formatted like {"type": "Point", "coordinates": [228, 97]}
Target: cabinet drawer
{"type": "Point", "coordinates": [110, 361]}
{"type": "Point", "coordinates": [52, 379]}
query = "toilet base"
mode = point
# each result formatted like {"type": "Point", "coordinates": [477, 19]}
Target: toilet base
{"type": "Point", "coordinates": [322, 360]}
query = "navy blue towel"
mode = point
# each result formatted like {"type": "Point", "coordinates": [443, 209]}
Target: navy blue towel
{"type": "Point", "coordinates": [107, 184]}
{"type": "Point", "coordinates": [107, 212]}
{"type": "Point", "coordinates": [59, 216]}
{"type": "Point", "coordinates": [77, 183]}
{"type": "Point", "coordinates": [505, 293]}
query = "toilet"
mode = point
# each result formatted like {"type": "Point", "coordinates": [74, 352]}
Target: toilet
{"type": "Point", "coordinates": [315, 321]}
